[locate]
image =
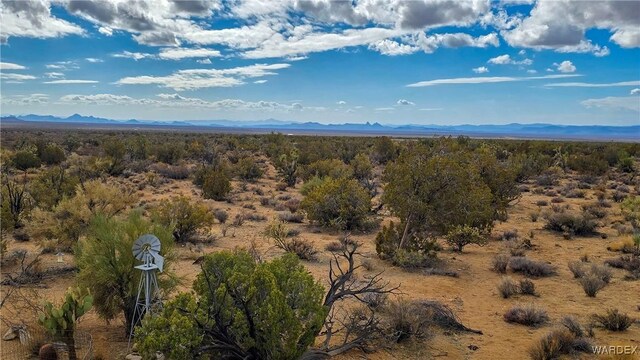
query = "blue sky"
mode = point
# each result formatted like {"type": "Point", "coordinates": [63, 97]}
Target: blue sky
{"type": "Point", "coordinates": [393, 62]}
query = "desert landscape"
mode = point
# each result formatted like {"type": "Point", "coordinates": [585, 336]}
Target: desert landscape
{"type": "Point", "coordinates": [556, 250]}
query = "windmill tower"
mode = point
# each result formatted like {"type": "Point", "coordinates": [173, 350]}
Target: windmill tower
{"type": "Point", "coordinates": [147, 250]}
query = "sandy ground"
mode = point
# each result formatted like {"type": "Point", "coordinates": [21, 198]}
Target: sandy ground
{"type": "Point", "coordinates": [473, 295]}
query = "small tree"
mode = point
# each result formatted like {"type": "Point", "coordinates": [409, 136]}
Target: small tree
{"type": "Point", "coordinates": [216, 184]}
{"type": "Point", "coordinates": [61, 322]}
{"type": "Point", "coordinates": [106, 263]}
{"type": "Point", "coordinates": [184, 215]}
{"type": "Point", "coordinates": [241, 309]}
{"type": "Point", "coordinates": [460, 236]}
{"type": "Point", "coordinates": [338, 203]}
{"type": "Point", "coordinates": [115, 151]}
{"type": "Point", "coordinates": [51, 154]}
{"type": "Point", "coordinates": [25, 159]}
{"type": "Point", "coordinates": [68, 220]}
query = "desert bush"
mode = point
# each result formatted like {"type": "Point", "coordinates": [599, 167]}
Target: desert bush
{"type": "Point", "coordinates": [338, 203]}
{"type": "Point", "coordinates": [527, 287]}
{"type": "Point", "coordinates": [333, 168]}
{"type": "Point", "coordinates": [170, 152]}
{"type": "Point", "coordinates": [591, 284]}
{"type": "Point", "coordinates": [575, 193]}
{"type": "Point", "coordinates": [405, 320]}
{"type": "Point", "coordinates": [577, 269]}
{"type": "Point", "coordinates": [234, 290]}
{"type": "Point", "coordinates": [51, 186]}
{"type": "Point", "coordinates": [460, 236]}
{"type": "Point", "coordinates": [528, 315]}
{"type": "Point", "coordinates": [613, 320]}
{"type": "Point", "coordinates": [631, 211]}
{"type": "Point", "coordinates": [509, 235]}
{"type": "Point", "coordinates": [255, 217]}
{"type": "Point", "coordinates": [534, 216]}
{"type": "Point", "coordinates": [507, 287]}
{"type": "Point", "coordinates": [184, 216]}
{"type": "Point", "coordinates": [25, 159]}
{"type": "Point", "coordinates": [176, 172]}
{"type": "Point", "coordinates": [558, 343]}
{"type": "Point", "coordinates": [68, 220]}
{"type": "Point", "coordinates": [530, 267]}
{"type": "Point", "coordinates": [279, 234]}
{"type": "Point", "coordinates": [499, 263]}
{"type": "Point", "coordinates": [291, 218]}
{"type": "Point", "coordinates": [287, 166]}
{"type": "Point", "coordinates": [619, 196]}
{"type": "Point", "coordinates": [547, 179]}
{"type": "Point", "coordinates": [239, 219]}
{"type": "Point", "coordinates": [216, 185]}
{"type": "Point", "coordinates": [368, 264]}
{"type": "Point", "coordinates": [594, 210]}
{"type": "Point", "coordinates": [417, 249]}
{"type": "Point", "coordinates": [15, 203]}
{"type": "Point", "coordinates": [542, 203]}
{"type": "Point", "coordinates": [575, 224]}
{"type": "Point", "coordinates": [106, 264]}
{"type": "Point", "coordinates": [248, 169]}
{"type": "Point", "coordinates": [409, 259]}
{"type": "Point", "coordinates": [221, 216]}
{"type": "Point", "coordinates": [557, 200]}
{"type": "Point", "coordinates": [292, 204]}
{"type": "Point", "coordinates": [51, 154]}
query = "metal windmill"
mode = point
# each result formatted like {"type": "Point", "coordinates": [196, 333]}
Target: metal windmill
{"type": "Point", "coordinates": [147, 250]}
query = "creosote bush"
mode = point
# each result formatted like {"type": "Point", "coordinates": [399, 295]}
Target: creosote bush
{"type": "Point", "coordinates": [528, 315]}
{"type": "Point", "coordinates": [613, 320]}
{"type": "Point", "coordinates": [184, 215]}
{"type": "Point", "coordinates": [575, 224]}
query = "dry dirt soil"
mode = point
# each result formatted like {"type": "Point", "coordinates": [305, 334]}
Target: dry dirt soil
{"type": "Point", "coordinates": [473, 295]}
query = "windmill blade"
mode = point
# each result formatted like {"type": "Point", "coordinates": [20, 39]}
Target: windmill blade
{"type": "Point", "coordinates": [158, 260]}
{"type": "Point", "coordinates": [147, 243]}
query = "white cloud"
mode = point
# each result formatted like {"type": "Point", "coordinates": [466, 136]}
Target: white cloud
{"type": "Point", "coordinates": [531, 71]}
{"type": "Point", "coordinates": [507, 60]}
{"type": "Point", "coordinates": [260, 81]}
{"type": "Point", "coordinates": [106, 31]}
{"type": "Point", "coordinates": [635, 91]}
{"type": "Point", "coordinates": [384, 109]}
{"type": "Point", "coordinates": [31, 99]}
{"type": "Point", "coordinates": [561, 25]}
{"type": "Point", "coordinates": [595, 85]}
{"type": "Point", "coordinates": [565, 67]}
{"type": "Point", "coordinates": [94, 60]}
{"type": "Point", "coordinates": [341, 102]}
{"type": "Point", "coordinates": [480, 70]}
{"type": "Point", "coordinates": [179, 101]}
{"type": "Point", "coordinates": [70, 81]}
{"type": "Point", "coordinates": [614, 103]}
{"type": "Point", "coordinates": [11, 66]}
{"type": "Point", "coordinates": [392, 48]}
{"type": "Point", "coordinates": [204, 61]}
{"type": "Point", "coordinates": [191, 79]}
{"type": "Point", "coordinates": [54, 75]}
{"type": "Point", "coordinates": [485, 80]}
{"type": "Point", "coordinates": [431, 43]}
{"type": "Point", "coordinates": [182, 53]}
{"type": "Point", "coordinates": [15, 77]}
{"type": "Point", "coordinates": [33, 19]}
{"type": "Point", "coordinates": [404, 102]}
{"type": "Point", "coordinates": [133, 55]}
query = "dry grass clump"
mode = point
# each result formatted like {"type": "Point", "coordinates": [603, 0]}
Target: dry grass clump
{"type": "Point", "coordinates": [528, 315]}
{"type": "Point", "coordinates": [592, 285]}
{"type": "Point", "coordinates": [507, 288]}
{"type": "Point", "coordinates": [530, 267]}
{"type": "Point", "coordinates": [558, 343]}
{"type": "Point", "coordinates": [527, 287]}
{"type": "Point", "coordinates": [593, 279]}
{"type": "Point", "coordinates": [627, 262]}
{"type": "Point", "coordinates": [291, 218]}
{"type": "Point", "coordinates": [499, 263]}
{"type": "Point", "coordinates": [613, 320]}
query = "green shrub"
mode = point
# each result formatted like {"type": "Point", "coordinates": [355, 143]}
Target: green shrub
{"type": "Point", "coordinates": [241, 309]}
{"type": "Point", "coordinates": [341, 204]}
{"type": "Point", "coordinates": [216, 185]}
{"type": "Point", "coordinates": [574, 224]}
{"type": "Point", "coordinates": [184, 215]}
{"type": "Point", "coordinates": [248, 170]}
{"type": "Point", "coordinates": [52, 154]}
{"type": "Point", "coordinates": [25, 159]}
{"type": "Point", "coordinates": [417, 251]}
{"type": "Point", "coordinates": [460, 236]}
{"type": "Point", "coordinates": [333, 168]}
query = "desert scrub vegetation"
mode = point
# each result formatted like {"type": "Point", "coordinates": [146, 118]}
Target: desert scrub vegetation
{"type": "Point", "coordinates": [184, 216]}
{"type": "Point", "coordinates": [341, 204]}
{"type": "Point", "coordinates": [507, 287]}
{"type": "Point", "coordinates": [461, 236]}
{"type": "Point", "coordinates": [613, 320]}
{"type": "Point", "coordinates": [532, 268]}
{"type": "Point", "coordinates": [281, 236]}
{"type": "Point", "coordinates": [582, 224]}
{"type": "Point", "coordinates": [561, 342]}
{"type": "Point", "coordinates": [528, 315]}
{"type": "Point", "coordinates": [106, 263]}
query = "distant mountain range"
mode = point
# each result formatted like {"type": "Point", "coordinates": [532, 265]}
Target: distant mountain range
{"type": "Point", "coordinates": [541, 131]}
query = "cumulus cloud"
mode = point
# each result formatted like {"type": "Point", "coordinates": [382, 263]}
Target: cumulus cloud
{"type": "Point", "coordinates": [191, 79]}
{"type": "Point", "coordinates": [133, 55]}
{"type": "Point", "coordinates": [179, 101]}
{"type": "Point", "coordinates": [31, 99]}
{"type": "Point", "coordinates": [392, 48]}
{"type": "Point", "coordinates": [614, 103]}
{"type": "Point", "coordinates": [404, 102]}
{"type": "Point", "coordinates": [106, 31]}
{"type": "Point", "coordinates": [341, 102]}
{"type": "Point", "coordinates": [507, 60]}
{"type": "Point", "coordinates": [485, 80]}
{"type": "Point", "coordinates": [11, 66]}
{"type": "Point", "coordinates": [565, 67]}
{"type": "Point", "coordinates": [562, 24]}
{"type": "Point", "coordinates": [33, 19]}
{"type": "Point", "coordinates": [54, 75]}
{"type": "Point", "coordinates": [94, 60]}
{"type": "Point", "coordinates": [204, 61]}
{"type": "Point", "coordinates": [480, 70]}
{"type": "Point", "coordinates": [635, 91]}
